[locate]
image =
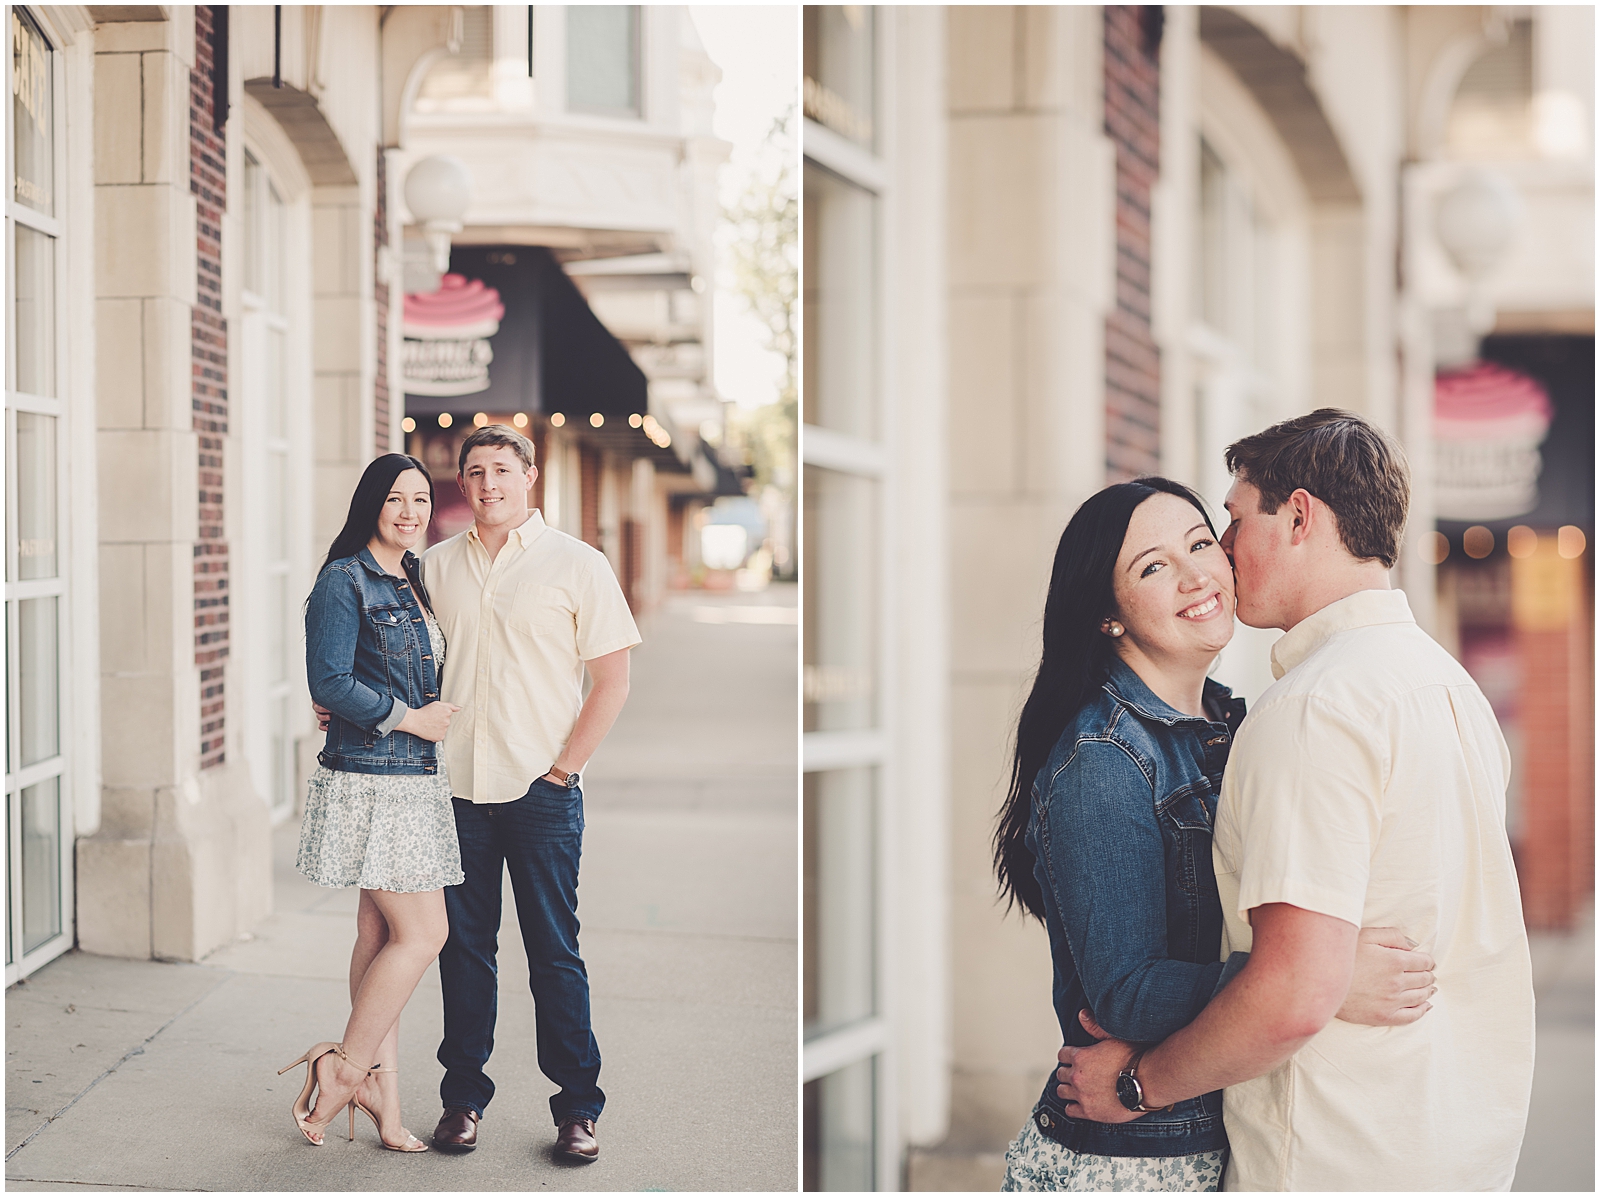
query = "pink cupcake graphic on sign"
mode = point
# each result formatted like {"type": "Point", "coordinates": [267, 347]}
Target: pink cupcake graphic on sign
{"type": "Point", "coordinates": [1488, 424]}
{"type": "Point", "coordinates": [447, 333]}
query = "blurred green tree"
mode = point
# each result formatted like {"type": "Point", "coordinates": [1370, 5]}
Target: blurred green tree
{"type": "Point", "coordinates": [764, 261]}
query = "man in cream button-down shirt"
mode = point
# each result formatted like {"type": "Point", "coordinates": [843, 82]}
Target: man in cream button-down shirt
{"type": "Point", "coordinates": [524, 609]}
{"type": "Point", "coordinates": [1366, 787]}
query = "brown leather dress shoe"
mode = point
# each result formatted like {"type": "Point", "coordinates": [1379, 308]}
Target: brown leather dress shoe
{"type": "Point", "coordinates": [457, 1130]}
{"type": "Point", "coordinates": [575, 1141]}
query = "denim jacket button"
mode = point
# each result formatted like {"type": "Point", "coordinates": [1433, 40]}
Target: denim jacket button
{"type": "Point", "coordinates": [1044, 1121]}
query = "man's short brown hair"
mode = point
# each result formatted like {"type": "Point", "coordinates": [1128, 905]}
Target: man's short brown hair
{"type": "Point", "coordinates": [1354, 467]}
{"type": "Point", "coordinates": [497, 435]}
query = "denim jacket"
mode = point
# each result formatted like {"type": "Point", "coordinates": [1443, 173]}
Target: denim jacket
{"type": "Point", "coordinates": [368, 658]}
{"type": "Point", "coordinates": [1121, 835]}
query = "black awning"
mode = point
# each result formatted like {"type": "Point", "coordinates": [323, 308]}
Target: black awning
{"type": "Point", "coordinates": [545, 352]}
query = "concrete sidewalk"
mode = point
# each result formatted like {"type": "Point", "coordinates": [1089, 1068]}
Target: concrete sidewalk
{"type": "Point", "coordinates": [142, 1075]}
{"type": "Point", "coordinates": [1558, 1150]}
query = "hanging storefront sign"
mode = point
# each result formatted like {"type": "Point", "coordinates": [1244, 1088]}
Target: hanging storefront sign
{"type": "Point", "coordinates": [1489, 424]}
{"type": "Point", "coordinates": [446, 349]}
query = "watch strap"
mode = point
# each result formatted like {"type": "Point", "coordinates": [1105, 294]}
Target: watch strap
{"type": "Point", "coordinates": [1131, 1072]}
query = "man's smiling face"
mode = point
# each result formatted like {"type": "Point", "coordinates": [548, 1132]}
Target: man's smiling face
{"type": "Point", "coordinates": [496, 485]}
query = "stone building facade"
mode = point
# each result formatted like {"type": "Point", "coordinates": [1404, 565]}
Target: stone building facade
{"type": "Point", "coordinates": [206, 239]}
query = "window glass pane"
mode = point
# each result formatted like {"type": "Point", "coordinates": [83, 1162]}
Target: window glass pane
{"type": "Point", "coordinates": [33, 116]}
{"type": "Point", "coordinates": [840, 898]}
{"type": "Point", "coordinates": [34, 309]}
{"type": "Point", "coordinates": [840, 1129]}
{"type": "Point", "coordinates": [1210, 279]}
{"type": "Point", "coordinates": [41, 863]}
{"type": "Point", "coordinates": [840, 324]}
{"type": "Point", "coordinates": [603, 58]}
{"type": "Point", "coordinates": [272, 250]}
{"type": "Point", "coordinates": [277, 624]}
{"type": "Point", "coordinates": [36, 496]}
{"type": "Point", "coordinates": [252, 225]}
{"type": "Point", "coordinates": [838, 69]}
{"type": "Point", "coordinates": [39, 662]}
{"type": "Point", "coordinates": [840, 572]}
{"type": "Point", "coordinates": [281, 780]}
{"type": "Point", "coordinates": [273, 383]}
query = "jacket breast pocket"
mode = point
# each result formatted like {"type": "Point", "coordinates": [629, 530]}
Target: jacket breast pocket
{"type": "Point", "coordinates": [391, 629]}
{"type": "Point", "coordinates": [1186, 826]}
{"type": "Point", "coordinates": [543, 611]}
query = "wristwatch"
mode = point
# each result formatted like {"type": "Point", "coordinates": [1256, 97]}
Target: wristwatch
{"type": "Point", "coordinates": [1129, 1092]}
{"type": "Point", "coordinates": [570, 780]}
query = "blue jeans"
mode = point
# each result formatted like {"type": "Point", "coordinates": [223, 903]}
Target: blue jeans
{"type": "Point", "coordinates": [539, 837]}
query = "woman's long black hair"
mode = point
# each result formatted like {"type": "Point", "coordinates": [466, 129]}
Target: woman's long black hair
{"type": "Point", "coordinates": [361, 525]}
{"type": "Point", "coordinates": [1074, 662]}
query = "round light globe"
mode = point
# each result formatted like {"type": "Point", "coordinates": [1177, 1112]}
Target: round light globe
{"type": "Point", "coordinates": [1475, 221]}
{"type": "Point", "coordinates": [438, 189]}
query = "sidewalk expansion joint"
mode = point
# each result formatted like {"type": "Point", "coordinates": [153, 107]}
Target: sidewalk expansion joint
{"type": "Point", "coordinates": [136, 1050]}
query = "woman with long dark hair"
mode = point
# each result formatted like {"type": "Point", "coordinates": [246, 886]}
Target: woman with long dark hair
{"type": "Point", "coordinates": [1105, 835]}
{"type": "Point", "coordinates": [378, 808]}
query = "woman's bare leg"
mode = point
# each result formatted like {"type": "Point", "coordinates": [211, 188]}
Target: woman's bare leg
{"type": "Point", "coordinates": [415, 928]}
{"type": "Point", "coordinates": [380, 1092]}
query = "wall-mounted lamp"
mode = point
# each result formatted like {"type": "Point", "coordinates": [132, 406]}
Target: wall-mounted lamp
{"type": "Point", "coordinates": [438, 191]}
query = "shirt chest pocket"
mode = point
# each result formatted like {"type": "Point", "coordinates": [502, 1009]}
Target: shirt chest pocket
{"type": "Point", "coordinates": [543, 611]}
{"type": "Point", "coordinates": [391, 629]}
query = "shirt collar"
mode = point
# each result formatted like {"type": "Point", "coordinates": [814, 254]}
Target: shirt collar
{"type": "Point", "coordinates": [525, 533]}
{"type": "Point", "coordinates": [1364, 608]}
{"type": "Point", "coordinates": [1128, 686]}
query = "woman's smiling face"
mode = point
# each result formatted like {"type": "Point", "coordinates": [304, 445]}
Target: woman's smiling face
{"type": "Point", "coordinates": [1173, 584]}
{"type": "Point", "coordinates": [405, 513]}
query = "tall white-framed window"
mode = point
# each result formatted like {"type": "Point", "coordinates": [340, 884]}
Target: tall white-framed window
{"type": "Point", "coordinates": [39, 774]}
{"type": "Point", "coordinates": [1248, 333]}
{"type": "Point", "coordinates": [269, 631]}
{"type": "Point", "coordinates": [848, 1066]}
{"type": "Point", "coordinates": [604, 57]}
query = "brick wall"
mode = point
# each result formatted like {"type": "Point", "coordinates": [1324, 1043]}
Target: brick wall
{"type": "Point", "coordinates": [1132, 122]}
{"type": "Point", "coordinates": [380, 239]}
{"type": "Point", "coordinates": [209, 355]}
{"type": "Point", "coordinates": [1555, 842]}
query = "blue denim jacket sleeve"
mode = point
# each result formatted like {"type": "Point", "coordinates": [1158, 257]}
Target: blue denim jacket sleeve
{"type": "Point", "coordinates": [333, 631]}
{"type": "Point", "coordinates": [1108, 874]}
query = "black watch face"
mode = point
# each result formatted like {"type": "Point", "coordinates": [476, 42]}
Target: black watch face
{"type": "Point", "coordinates": [572, 781]}
{"type": "Point", "coordinates": [1128, 1091]}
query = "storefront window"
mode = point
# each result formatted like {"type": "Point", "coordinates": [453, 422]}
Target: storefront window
{"type": "Point", "coordinates": [37, 796]}
{"type": "Point", "coordinates": [847, 555]}
{"type": "Point", "coordinates": [840, 305]}
{"type": "Point", "coordinates": [838, 62]}
{"type": "Point", "coordinates": [32, 116]}
{"type": "Point", "coordinates": [603, 59]}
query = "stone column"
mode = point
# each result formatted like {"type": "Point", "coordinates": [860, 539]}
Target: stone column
{"type": "Point", "coordinates": [181, 862]}
{"type": "Point", "coordinates": [1031, 242]}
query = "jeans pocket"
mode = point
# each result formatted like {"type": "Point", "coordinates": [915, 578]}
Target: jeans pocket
{"type": "Point", "coordinates": [551, 807]}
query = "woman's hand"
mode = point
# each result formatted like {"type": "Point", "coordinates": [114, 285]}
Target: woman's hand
{"type": "Point", "coordinates": [1088, 1076]}
{"type": "Point", "coordinates": [430, 722]}
{"type": "Point", "coordinates": [1392, 982]}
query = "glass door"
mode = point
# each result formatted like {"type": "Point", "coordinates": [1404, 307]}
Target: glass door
{"type": "Point", "coordinates": [37, 776]}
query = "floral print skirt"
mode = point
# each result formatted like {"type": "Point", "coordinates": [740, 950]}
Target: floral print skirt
{"type": "Point", "coordinates": [380, 832]}
{"type": "Point", "coordinates": [1037, 1164]}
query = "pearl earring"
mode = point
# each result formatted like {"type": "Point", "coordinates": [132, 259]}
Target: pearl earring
{"type": "Point", "coordinates": [1115, 628]}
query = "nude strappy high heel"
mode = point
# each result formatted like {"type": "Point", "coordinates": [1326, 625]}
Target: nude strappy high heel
{"type": "Point", "coordinates": [412, 1143]}
{"type": "Point", "coordinates": [301, 1110]}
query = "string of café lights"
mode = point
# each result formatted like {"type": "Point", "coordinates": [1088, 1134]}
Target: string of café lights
{"type": "Point", "coordinates": [659, 436]}
{"type": "Point", "coordinates": [1522, 541]}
